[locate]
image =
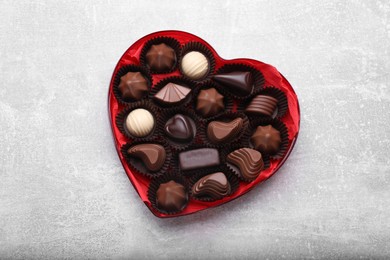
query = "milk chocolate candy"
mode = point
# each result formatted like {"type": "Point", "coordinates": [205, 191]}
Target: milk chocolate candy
{"type": "Point", "coordinates": [152, 155]}
{"type": "Point", "coordinates": [220, 131]}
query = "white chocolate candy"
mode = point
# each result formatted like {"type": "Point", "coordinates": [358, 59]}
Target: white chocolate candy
{"type": "Point", "coordinates": [140, 122]}
{"type": "Point", "coordinates": [194, 65]}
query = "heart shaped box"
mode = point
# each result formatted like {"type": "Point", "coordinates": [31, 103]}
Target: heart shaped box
{"type": "Point", "coordinates": [272, 78]}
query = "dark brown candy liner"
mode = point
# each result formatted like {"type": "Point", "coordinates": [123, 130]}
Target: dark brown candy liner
{"type": "Point", "coordinates": [231, 177]}
{"type": "Point", "coordinates": [169, 113]}
{"type": "Point", "coordinates": [121, 72]}
{"type": "Point", "coordinates": [235, 169]}
{"type": "Point", "coordinates": [278, 125]}
{"type": "Point", "coordinates": [199, 47]}
{"type": "Point", "coordinates": [227, 100]}
{"type": "Point", "coordinates": [177, 80]}
{"type": "Point", "coordinates": [228, 116]}
{"type": "Point", "coordinates": [137, 165]}
{"type": "Point", "coordinates": [120, 119]}
{"type": "Point", "coordinates": [258, 78]}
{"type": "Point", "coordinates": [155, 184]}
{"type": "Point", "coordinates": [281, 107]}
{"type": "Point", "coordinates": [176, 162]}
{"type": "Point", "coordinates": [171, 42]}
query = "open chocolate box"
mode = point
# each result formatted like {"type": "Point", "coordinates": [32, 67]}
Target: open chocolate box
{"type": "Point", "coordinates": [194, 131]}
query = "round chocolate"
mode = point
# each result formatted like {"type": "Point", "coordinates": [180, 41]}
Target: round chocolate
{"type": "Point", "coordinates": [180, 128]}
{"type": "Point", "coordinates": [210, 102]}
{"type": "Point", "coordinates": [195, 65]}
{"type": "Point", "coordinates": [266, 139]}
{"type": "Point", "coordinates": [171, 196]}
{"type": "Point", "coordinates": [161, 58]}
{"type": "Point", "coordinates": [140, 122]}
{"type": "Point", "coordinates": [133, 86]}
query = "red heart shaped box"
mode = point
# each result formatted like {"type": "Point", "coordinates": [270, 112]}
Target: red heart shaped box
{"type": "Point", "coordinates": [272, 78]}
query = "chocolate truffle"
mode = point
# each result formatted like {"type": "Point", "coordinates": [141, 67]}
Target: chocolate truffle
{"type": "Point", "coordinates": [180, 128]}
{"type": "Point", "coordinates": [263, 105]}
{"type": "Point", "coordinates": [140, 122]}
{"type": "Point", "coordinates": [266, 139]}
{"type": "Point", "coordinates": [172, 93]}
{"type": "Point", "coordinates": [219, 131]}
{"type": "Point", "coordinates": [171, 197]}
{"type": "Point", "coordinates": [240, 83]}
{"type": "Point", "coordinates": [133, 86]}
{"type": "Point", "coordinates": [195, 65]}
{"type": "Point", "coordinates": [249, 162]}
{"type": "Point", "coordinates": [152, 155]}
{"type": "Point", "coordinates": [210, 102]}
{"type": "Point", "coordinates": [161, 58]}
{"type": "Point", "coordinates": [214, 186]}
{"type": "Point", "coordinates": [199, 158]}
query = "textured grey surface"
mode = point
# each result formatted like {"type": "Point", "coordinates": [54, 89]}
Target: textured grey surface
{"type": "Point", "coordinates": [64, 194]}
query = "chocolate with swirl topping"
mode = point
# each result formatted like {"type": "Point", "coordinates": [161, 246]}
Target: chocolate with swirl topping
{"type": "Point", "coordinates": [214, 186]}
{"type": "Point", "coordinates": [249, 162]}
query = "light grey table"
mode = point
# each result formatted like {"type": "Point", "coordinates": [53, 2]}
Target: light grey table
{"type": "Point", "coordinates": [64, 194]}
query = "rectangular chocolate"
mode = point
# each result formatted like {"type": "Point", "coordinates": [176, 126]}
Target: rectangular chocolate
{"type": "Point", "coordinates": [199, 158]}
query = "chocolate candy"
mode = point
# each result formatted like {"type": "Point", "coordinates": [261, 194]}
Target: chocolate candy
{"type": "Point", "coordinates": [152, 155]}
{"type": "Point", "coordinates": [180, 128]}
{"type": "Point", "coordinates": [210, 102]}
{"type": "Point", "coordinates": [199, 158]}
{"type": "Point", "coordinates": [266, 139]}
{"type": "Point", "coordinates": [249, 162]}
{"type": "Point", "coordinates": [171, 196]}
{"type": "Point", "coordinates": [172, 93]}
{"type": "Point", "coordinates": [161, 58]}
{"type": "Point", "coordinates": [140, 122]}
{"type": "Point", "coordinates": [195, 65]}
{"type": "Point", "coordinates": [215, 186]}
{"type": "Point", "coordinates": [239, 83]}
{"type": "Point", "coordinates": [262, 104]}
{"type": "Point", "coordinates": [219, 131]}
{"type": "Point", "coordinates": [133, 86]}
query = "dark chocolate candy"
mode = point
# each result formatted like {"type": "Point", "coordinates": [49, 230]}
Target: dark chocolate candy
{"type": "Point", "coordinates": [133, 86]}
{"type": "Point", "coordinates": [249, 162]}
{"type": "Point", "coordinates": [266, 139]}
{"type": "Point", "coordinates": [214, 185]}
{"type": "Point", "coordinates": [161, 58]}
{"type": "Point", "coordinates": [210, 102]}
{"type": "Point", "coordinates": [219, 131]}
{"type": "Point", "coordinates": [239, 83]}
{"type": "Point", "coordinates": [262, 104]}
{"type": "Point", "coordinates": [152, 155]}
{"type": "Point", "coordinates": [180, 128]}
{"type": "Point", "coordinates": [171, 196]}
{"type": "Point", "coordinates": [199, 158]}
{"type": "Point", "coordinates": [172, 93]}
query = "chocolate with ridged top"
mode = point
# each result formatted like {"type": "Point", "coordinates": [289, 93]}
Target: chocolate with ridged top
{"type": "Point", "coordinates": [215, 186]}
{"type": "Point", "coordinates": [171, 197]}
{"type": "Point", "coordinates": [199, 158]}
{"type": "Point", "coordinates": [262, 104]}
{"type": "Point", "coordinates": [152, 155]}
{"type": "Point", "coordinates": [133, 86]}
{"type": "Point", "coordinates": [180, 128]}
{"type": "Point", "coordinates": [161, 58]}
{"type": "Point", "coordinates": [266, 139]}
{"type": "Point", "coordinates": [249, 162]}
{"type": "Point", "coordinates": [219, 131]}
{"type": "Point", "coordinates": [172, 93]}
{"type": "Point", "coordinates": [240, 83]}
{"type": "Point", "coordinates": [209, 102]}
